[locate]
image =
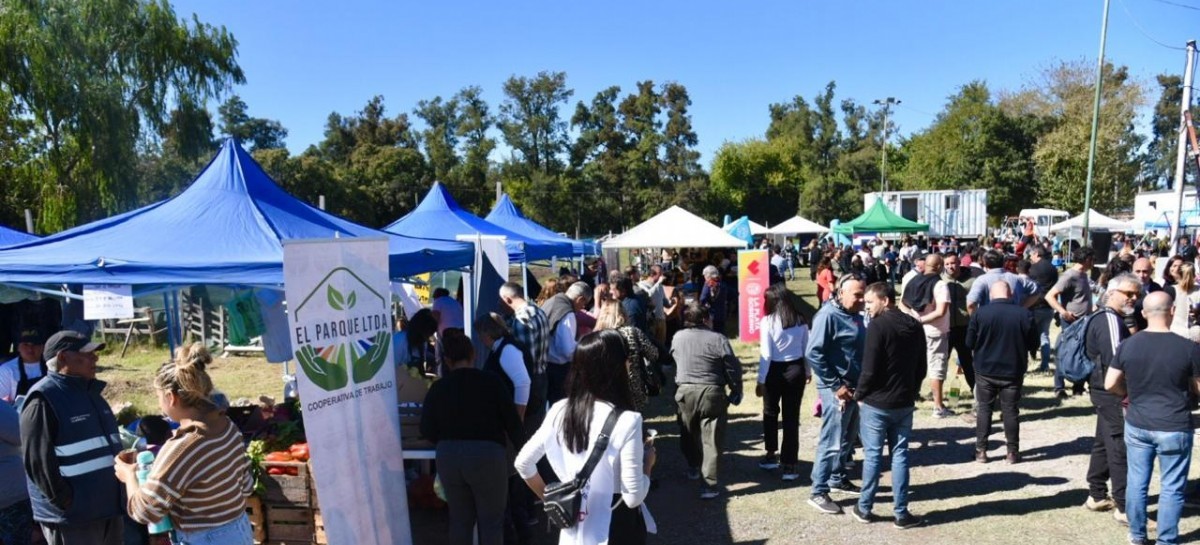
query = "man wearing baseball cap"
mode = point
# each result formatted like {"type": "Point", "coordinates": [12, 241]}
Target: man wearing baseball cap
{"type": "Point", "coordinates": [18, 375]}
{"type": "Point", "coordinates": [69, 438]}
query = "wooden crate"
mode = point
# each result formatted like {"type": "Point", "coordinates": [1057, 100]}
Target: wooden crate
{"type": "Point", "coordinates": [289, 524]}
{"type": "Point", "coordinates": [319, 527]}
{"type": "Point", "coordinates": [289, 490]}
{"type": "Point", "coordinates": [254, 510]}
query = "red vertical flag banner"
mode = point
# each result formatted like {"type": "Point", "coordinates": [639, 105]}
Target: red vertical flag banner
{"type": "Point", "coordinates": [753, 278]}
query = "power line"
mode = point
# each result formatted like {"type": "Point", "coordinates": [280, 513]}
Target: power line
{"type": "Point", "coordinates": [911, 109]}
{"type": "Point", "coordinates": [1177, 4]}
{"type": "Point", "coordinates": [1143, 31]}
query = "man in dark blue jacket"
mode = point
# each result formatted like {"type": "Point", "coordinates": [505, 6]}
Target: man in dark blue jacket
{"type": "Point", "coordinates": [69, 438]}
{"type": "Point", "coordinates": [835, 348]}
{"type": "Point", "coordinates": [1001, 334]}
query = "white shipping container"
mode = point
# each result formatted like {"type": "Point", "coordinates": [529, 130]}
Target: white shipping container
{"type": "Point", "coordinates": [959, 213]}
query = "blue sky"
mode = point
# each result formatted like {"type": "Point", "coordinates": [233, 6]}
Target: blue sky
{"type": "Point", "coordinates": [304, 59]}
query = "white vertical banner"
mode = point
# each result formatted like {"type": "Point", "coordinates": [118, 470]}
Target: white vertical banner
{"type": "Point", "coordinates": [339, 312]}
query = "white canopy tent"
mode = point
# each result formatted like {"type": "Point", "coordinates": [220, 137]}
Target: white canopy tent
{"type": "Point", "coordinates": [675, 228]}
{"type": "Point", "coordinates": [1096, 222]}
{"type": "Point", "coordinates": [798, 226]}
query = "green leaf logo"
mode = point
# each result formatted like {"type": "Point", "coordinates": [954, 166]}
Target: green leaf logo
{"type": "Point", "coordinates": [353, 298]}
{"type": "Point", "coordinates": [335, 298]}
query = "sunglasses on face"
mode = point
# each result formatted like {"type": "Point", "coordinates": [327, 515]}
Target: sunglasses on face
{"type": "Point", "coordinates": [1130, 294]}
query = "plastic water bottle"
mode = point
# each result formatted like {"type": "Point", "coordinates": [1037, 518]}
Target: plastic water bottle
{"type": "Point", "coordinates": [145, 459]}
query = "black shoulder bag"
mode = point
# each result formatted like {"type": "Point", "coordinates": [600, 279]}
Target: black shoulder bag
{"type": "Point", "coordinates": [562, 500]}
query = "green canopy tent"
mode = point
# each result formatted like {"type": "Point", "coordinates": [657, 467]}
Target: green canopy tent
{"type": "Point", "coordinates": [879, 219]}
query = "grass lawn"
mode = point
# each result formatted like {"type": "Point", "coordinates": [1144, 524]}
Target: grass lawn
{"type": "Point", "coordinates": [131, 379]}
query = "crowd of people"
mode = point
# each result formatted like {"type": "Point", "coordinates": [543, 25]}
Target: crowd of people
{"type": "Point", "coordinates": [879, 343]}
{"type": "Point", "coordinates": [558, 383]}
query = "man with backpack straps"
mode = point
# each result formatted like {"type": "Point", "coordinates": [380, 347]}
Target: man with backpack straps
{"type": "Point", "coordinates": [1105, 331]}
{"type": "Point", "coordinates": [1071, 298]}
{"type": "Point", "coordinates": [531, 330]}
{"type": "Point", "coordinates": [560, 317]}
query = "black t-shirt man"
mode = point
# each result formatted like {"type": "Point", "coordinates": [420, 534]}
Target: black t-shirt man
{"type": "Point", "coordinates": [1045, 276]}
{"type": "Point", "coordinates": [1158, 367]}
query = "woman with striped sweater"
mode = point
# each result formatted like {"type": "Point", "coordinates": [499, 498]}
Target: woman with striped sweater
{"type": "Point", "coordinates": [201, 477]}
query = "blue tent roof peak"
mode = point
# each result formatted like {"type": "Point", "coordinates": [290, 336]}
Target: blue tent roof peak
{"type": "Point", "coordinates": [507, 215]}
{"type": "Point", "coordinates": [506, 207]}
{"type": "Point", "coordinates": [438, 199]}
{"type": "Point", "coordinates": [440, 217]}
{"type": "Point", "coordinates": [227, 227]}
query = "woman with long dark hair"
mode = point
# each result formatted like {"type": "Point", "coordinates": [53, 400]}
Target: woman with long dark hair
{"type": "Point", "coordinates": [597, 385]}
{"type": "Point", "coordinates": [781, 377]}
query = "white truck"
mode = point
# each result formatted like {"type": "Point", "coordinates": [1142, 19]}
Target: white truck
{"type": "Point", "coordinates": [949, 212]}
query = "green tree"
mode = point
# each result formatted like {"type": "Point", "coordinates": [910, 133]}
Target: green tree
{"type": "Point", "coordinates": [759, 177]}
{"type": "Point", "coordinates": [253, 132]}
{"type": "Point", "coordinates": [644, 193]}
{"type": "Point", "coordinates": [475, 145]}
{"type": "Point", "coordinates": [440, 137]}
{"type": "Point", "coordinates": [379, 159]}
{"type": "Point", "coordinates": [597, 159]}
{"type": "Point", "coordinates": [973, 144]}
{"type": "Point", "coordinates": [90, 76]}
{"type": "Point", "coordinates": [1164, 126]}
{"type": "Point", "coordinates": [1063, 104]}
{"type": "Point", "coordinates": [530, 120]}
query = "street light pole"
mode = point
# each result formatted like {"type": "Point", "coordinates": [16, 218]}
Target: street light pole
{"type": "Point", "coordinates": [887, 107]}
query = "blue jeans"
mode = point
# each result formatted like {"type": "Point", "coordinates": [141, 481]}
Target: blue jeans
{"type": "Point", "coordinates": [236, 532]}
{"type": "Point", "coordinates": [877, 426]}
{"type": "Point", "coordinates": [1042, 318]}
{"type": "Point", "coordinates": [835, 443]}
{"type": "Point", "coordinates": [1174, 453]}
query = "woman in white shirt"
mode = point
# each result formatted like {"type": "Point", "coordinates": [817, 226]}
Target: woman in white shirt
{"type": "Point", "coordinates": [597, 385]}
{"type": "Point", "coordinates": [782, 374]}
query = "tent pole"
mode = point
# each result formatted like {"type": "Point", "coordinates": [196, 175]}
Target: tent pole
{"type": "Point", "coordinates": [524, 277]}
{"type": "Point", "coordinates": [178, 314]}
{"type": "Point", "coordinates": [170, 330]}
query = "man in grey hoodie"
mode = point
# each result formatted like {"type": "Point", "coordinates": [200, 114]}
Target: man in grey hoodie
{"type": "Point", "coordinates": [835, 348]}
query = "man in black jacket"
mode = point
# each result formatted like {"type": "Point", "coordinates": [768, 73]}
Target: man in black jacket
{"type": "Point", "coordinates": [1001, 334]}
{"type": "Point", "coordinates": [893, 367]}
{"type": "Point", "coordinates": [1043, 273]}
{"type": "Point", "coordinates": [1143, 270]}
{"type": "Point", "coordinates": [1104, 334]}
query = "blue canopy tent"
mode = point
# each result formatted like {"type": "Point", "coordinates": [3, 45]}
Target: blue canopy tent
{"type": "Point", "coordinates": [226, 228]}
{"type": "Point", "coordinates": [507, 215]}
{"type": "Point", "coordinates": [11, 237]}
{"type": "Point", "coordinates": [439, 217]}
